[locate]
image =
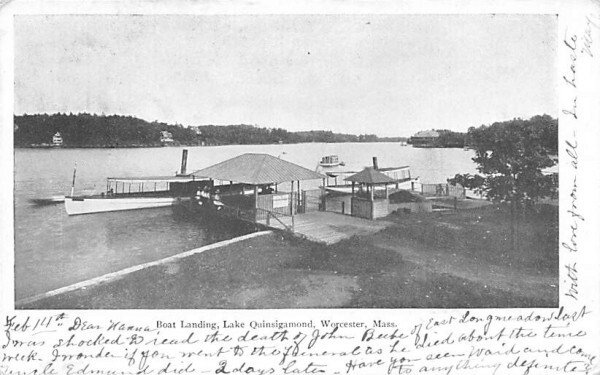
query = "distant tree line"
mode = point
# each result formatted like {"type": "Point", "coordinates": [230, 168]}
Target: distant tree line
{"type": "Point", "coordinates": [91, 130]}
{"type": "Point", "coordinates": [545, 124]}
{"type": "Point", "coordinates": [541, 130]}
{"type": "Point", "coordinates": [449, 138]}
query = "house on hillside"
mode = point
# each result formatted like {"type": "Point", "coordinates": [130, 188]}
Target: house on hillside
{"type": "Point", "coordinates": [166, 137]}
{"type": "Point", "coordinates": [425, 138]}
{"type": "Point", "coordinates": [196, 130]}
{"type": "Point", "coordinates": [57, 140]}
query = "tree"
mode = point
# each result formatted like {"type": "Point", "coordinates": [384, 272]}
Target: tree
{"type": "Point", "coordinates": [511, 156]}
{"type": "Point", "coordinates": [449, 138]}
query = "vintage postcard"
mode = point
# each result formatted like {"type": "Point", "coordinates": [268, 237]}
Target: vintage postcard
{"type": "Point", "coordinates": [382, 188]}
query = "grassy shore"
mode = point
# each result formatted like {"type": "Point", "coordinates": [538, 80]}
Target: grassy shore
{"type": "Point", "coordinates": [451, 260]}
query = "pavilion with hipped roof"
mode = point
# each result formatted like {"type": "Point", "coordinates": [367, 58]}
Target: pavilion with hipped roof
{"type": "Point", "coordinates": [371, 207]}
{"type": "Point", "coordinates": [248, 183]}
{"type": "Point", "coordinates": [261, 173]}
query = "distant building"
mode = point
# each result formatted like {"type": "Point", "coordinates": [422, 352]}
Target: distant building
{"type": "Point", "coordinates": [425, 138]}
{"type": "Point", "coordinates": [166, 137]}
{"type": "Point", "coordinates": [196, 130]}
{"type": "Point", "coordinates": [200, 139]}
{"type": "Point", "coordinates": [57, 139]}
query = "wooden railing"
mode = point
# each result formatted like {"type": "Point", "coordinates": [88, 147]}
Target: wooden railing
{"type": "Point", "coordinates": [250, 215]}
{"type": "Point", "coordinates": [238, 213]}
{"type": "Point", "coordinates": [441, 190]}
{"type": "Point", "coordinates": [272, 214]}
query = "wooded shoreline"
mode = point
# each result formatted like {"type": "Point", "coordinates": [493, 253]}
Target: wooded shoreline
{"type": "Point", "coordinates": [115, 131]}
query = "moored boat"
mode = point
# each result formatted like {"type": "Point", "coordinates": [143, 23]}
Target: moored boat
{"type": "Point", "coordinates": [409, 184]}
{"type": "Point", "coordinates": [134, 193]}
{"type": "Point", "coordinates": [94, 204]}
{"type": "Point", "coordinates": [336, 182]}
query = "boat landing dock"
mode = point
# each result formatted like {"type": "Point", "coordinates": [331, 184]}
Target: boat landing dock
{"type": "Point", "coordinates": [301, 212]}
{"type": "Point", "coordinates": [326, 227]}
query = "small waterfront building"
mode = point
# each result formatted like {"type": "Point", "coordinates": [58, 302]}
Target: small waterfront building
{"type": "Point", "coordinates": [57, 139]}
{"type": "Point", "coordinates": [425, 138]}
{"type": "Point", "coordinates": [367, 204]}
{"type": "Point", "coordinates": [166, 137]}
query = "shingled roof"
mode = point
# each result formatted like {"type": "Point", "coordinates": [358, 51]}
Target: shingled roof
{"type": "Point", "coordinates": [257, 169]}
{"type": "Point", "coordinates": [370, 175]}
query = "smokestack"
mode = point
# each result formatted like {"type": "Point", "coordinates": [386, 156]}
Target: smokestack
{"type": "Point", "coordinates": [184, 161]}
{"type": "Point", "coordinates": [375, 165]}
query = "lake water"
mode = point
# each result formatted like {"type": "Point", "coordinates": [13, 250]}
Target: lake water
{"type": "Point", "coordinates": [53, 249]}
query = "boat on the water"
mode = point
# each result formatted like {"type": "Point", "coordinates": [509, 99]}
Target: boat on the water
{"type": "Point", "coordinates": [336, 177]}
{"type": "Point", "coordinates": [330, 161]}
{"type": "Point", "coordinates": [409, 184]}
{"type": "Point", "coordinates": [134, 193]}
{"type": "Point", "coordinates": [94, 204]}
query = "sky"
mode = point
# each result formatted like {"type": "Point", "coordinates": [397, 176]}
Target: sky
{"type": "Point", "coordinates": [391, 75]}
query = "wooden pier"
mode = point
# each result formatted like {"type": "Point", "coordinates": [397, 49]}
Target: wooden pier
{"type": "Point", "coordinates": [325, 227]}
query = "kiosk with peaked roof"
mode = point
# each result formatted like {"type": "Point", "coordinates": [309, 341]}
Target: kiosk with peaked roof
{"type": "Point", "coordinates": [370, 208]}
{"type": "Point", "coordinates": [261, 173]}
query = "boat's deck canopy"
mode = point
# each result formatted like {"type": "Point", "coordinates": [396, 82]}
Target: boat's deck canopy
{"type": "Point", "coordinates": [151, 179]}
{"type": "Point", "coordinates": [370, 176]}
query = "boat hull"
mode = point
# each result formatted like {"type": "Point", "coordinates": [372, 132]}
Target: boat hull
{"type": "Point", "coordinates": [89, 205]}
{"type": "Point", "coordinates": [329, 165]}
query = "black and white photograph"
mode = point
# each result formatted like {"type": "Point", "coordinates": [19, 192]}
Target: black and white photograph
{"type": "Point", "coordinates": [286, 161]}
